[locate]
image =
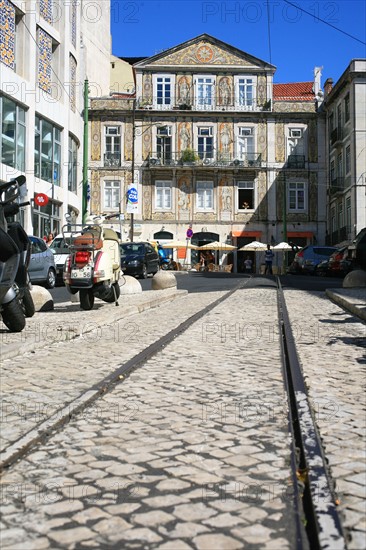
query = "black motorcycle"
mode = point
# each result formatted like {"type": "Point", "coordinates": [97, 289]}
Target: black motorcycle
{"type": "Point", "coordinates": [16, 301]}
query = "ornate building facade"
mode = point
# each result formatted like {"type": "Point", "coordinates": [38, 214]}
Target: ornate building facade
{"type": "Point", "coordinates": [214, 144]}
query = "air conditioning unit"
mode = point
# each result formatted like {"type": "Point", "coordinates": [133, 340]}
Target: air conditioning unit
{"type": "Point", "coordinates": [206, 162]}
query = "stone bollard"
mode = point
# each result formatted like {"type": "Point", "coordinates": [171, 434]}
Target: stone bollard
{"type": "Point", "coordinates": [42, 299]}
{"type": "Point", "coordinates": [355, 279]}
{"type": "Point", "coordinates": [129, 285]}
{"type": "Point", "coordinates": [163, 280]}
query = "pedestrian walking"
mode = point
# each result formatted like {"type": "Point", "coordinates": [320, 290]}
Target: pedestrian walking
{"type": "Point", "coordinates": [268, 258]}
{"type": "Point", "coordinates": [248, 265]}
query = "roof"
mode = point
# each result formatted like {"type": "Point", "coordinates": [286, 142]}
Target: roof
{"type": "Point", "coordinates": [294, 91]}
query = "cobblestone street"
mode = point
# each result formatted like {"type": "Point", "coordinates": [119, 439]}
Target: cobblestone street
{"type": "Point", "coordinates": [192, 450]}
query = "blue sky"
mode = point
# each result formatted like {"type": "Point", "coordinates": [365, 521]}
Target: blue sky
{"type": "Point", "coordinates": [298, 41]}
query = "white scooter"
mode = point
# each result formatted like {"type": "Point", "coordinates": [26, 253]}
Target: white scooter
{"type": "Point", "coordinates": [93, 267]}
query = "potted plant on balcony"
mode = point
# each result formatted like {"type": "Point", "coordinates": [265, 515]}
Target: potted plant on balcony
{"type": "Point", "coordinates": [189, 156]}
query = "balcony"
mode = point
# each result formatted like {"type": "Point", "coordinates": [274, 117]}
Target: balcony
{"type": "Point", "coordinates": [112, 160]}
{"type": "Point", "coordinates": [296, 162]}
{"type": "Point", "coordinates": [336, 136]}
{"type": "Point", "coordinates": [336, 186]}
{"type": "Point", "coordinates": [222, 160]}
{"type": "Point", "coordinates": [169, 104]}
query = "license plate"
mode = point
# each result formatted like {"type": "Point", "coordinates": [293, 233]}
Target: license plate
{"type": "Point", "coordinates": [83, 273]}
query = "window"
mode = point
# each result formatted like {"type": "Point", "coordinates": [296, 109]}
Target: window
{"type": "Point", "coordinates": [164, 143]}
{"type": "Point", "coordinates": [340, 165]}
{"type": "Point", "coordinates": [205, 95]}
{"type": "Point", "coordinates": [331, 122]}
{"type": "Point", "coordinates": [332, 171]}
{"type": "Point", "coordinates": [348, 159]}
{"type": "Point", "coordinates": [245, 144]}
{"type": "Point", "coordinates": [163, 92]}
{"type": "Point", "coordinates": [46, 219]}
{"type": "Point", "coordinates": [112, 195]}
{"type": "Point", "coordinates": [72, 165]}
{"type": "Point", "coordinates": [348, 215]}
{"type": "Point", "coordinates": [12, 134]}
{"type": "Point", "coordinates": [163, 195]}
{"type": "Point", "coordinates": [205, 143]}
{"type": "Point", "coordinates": [204, 195]}
{"type": "Point", "coordinates": [340, 215]}
{"type": "Point", "coordinates": [245, 195]}
{"type": "Point", "coordinates": [347, 114]}
{"type": "Point", "coordinates": [339, 116]}
{"type": "Point", "coordinates": [296, 196]}
{"type": "Point", "coordinates": [47, 151]}
{"type": "Point", "coordinates": [245, 92]}
{"type": "Point", "coordinates": [112, 156]}
{"type": "Point", "coordinates": [295, 141]}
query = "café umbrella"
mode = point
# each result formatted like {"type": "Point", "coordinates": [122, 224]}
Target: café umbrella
{"type": "Point", "coordinates": [282, 246]}
{"type": "Point", "coordinates": [254, 246]}
{"type": "Point", "coordinates": [179, 244]}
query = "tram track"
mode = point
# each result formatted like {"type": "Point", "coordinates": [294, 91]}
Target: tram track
{"type": "Point", "coordinates": [311, 479]}
{"type": "Point", "coordinates": [318, 525]}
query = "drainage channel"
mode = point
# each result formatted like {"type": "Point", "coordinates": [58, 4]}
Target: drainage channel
{"type": "Point", "coordinates": [26, 443]}
{"type": "Point", "coordinates": [318, 522]}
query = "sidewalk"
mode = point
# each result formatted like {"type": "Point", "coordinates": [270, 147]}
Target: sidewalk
{"type": "Point", "coordinates": [67, 321]}
{"type": "Point", "coordinates": [351, 299]}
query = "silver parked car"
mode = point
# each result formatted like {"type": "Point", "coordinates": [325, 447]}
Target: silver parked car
{"type": "Point", "coordinates": [42, 269]}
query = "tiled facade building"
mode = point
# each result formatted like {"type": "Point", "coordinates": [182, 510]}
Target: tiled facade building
{"type": "Point", "coordinates": [345, 107]}
{"type": "Point", "coordinates": [46, 50]}
{"type": "Point", "coordinates": [217, 145]}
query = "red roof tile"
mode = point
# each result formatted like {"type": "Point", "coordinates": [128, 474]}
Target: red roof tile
{"type": "Point", "coordinates": [294, 91]}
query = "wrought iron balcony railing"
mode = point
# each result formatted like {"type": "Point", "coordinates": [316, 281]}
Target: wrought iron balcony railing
{"type": "Point", "coordinates": [296, 162]}
{"type": "Point", "coordinates": [193, 104]}
{"type": "Point", "coordinates": [195, 158]}
{"type": "Point", "coordinates": [112, 160]}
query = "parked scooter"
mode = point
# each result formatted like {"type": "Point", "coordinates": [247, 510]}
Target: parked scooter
{"type": "Point", "coordinates": [164, 262]}
{"type": "Point", "coordinates": [11, 258]}
{"type": "Point", "coordinates": [93, 267]}
{"type": "Point", "coordinates": [22, 282]}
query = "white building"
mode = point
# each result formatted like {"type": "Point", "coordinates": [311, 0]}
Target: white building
{"type": "Point", "coordinates": [47, 50]}
{"type": "Point", "coordinates": [345, 107]}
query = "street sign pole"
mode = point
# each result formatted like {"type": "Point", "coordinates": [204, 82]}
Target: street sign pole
{"type": "Point", "coordinates": [133, 162]}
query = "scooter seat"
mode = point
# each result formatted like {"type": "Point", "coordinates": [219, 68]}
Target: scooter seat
{"type": "Point", "coordinates": [88, 240]}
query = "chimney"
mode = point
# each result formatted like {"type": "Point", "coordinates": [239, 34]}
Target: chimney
{"type": "Point", "coordinates": [317, 77]}
{"type": "Point", "coordinates": [328, 85]}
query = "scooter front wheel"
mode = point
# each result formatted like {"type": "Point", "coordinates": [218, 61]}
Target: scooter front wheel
{"type": "Point", "coordinates": [27, 303]}
{"type": "Point", "coordinates": [86, 299]}
{"type": "Point", "coordinates": [13, 316]}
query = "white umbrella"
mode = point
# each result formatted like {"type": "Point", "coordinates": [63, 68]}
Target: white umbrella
{"type": "Point", "coordinates": [215, 245]}
{"type": "Point", "coordinates": [255, 246]}
{"type": "Point", "coordinates": [179, 244]}
{"type": "Point", "coordinates": [282, 246]}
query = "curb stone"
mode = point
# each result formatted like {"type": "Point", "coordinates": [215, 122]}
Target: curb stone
{"type": "Point", "coordinates": [352, 300]}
